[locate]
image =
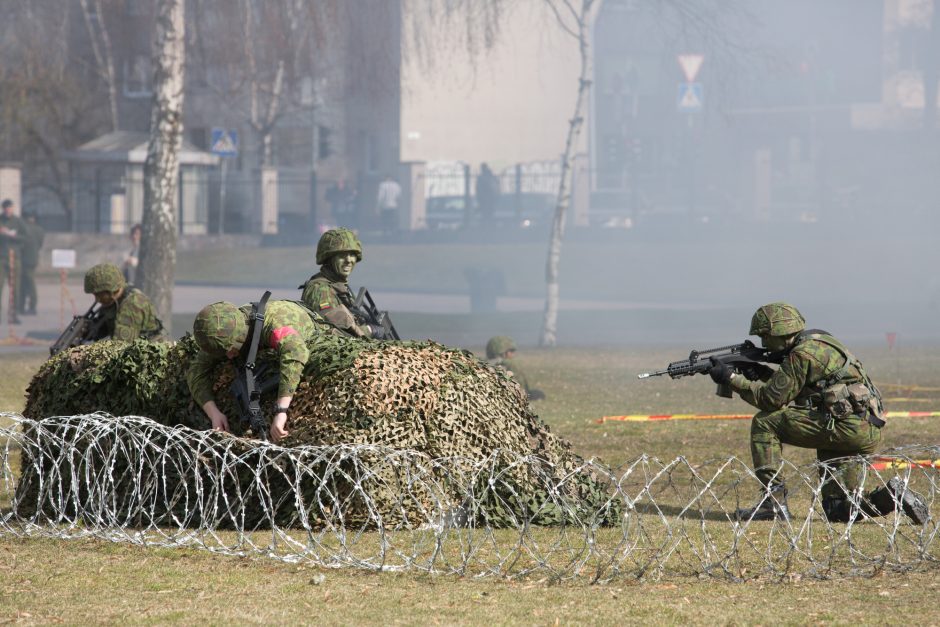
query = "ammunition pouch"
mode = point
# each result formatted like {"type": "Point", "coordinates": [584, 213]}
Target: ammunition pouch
{"type": "Point", "coordinates": [841, 400]}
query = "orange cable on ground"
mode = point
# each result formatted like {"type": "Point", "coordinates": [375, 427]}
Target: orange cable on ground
{"type": "Point", "coordinates": [658, 417]}
{"type": "Point", "coordinates": [884, 463]}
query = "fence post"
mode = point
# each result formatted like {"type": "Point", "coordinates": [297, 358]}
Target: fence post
{"type": "Point", "coordinates": [466, 195]}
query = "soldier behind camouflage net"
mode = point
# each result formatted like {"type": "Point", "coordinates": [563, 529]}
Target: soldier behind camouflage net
{"type": "Point", "coordinates": [500, 352]}
{"type": "Point", "coordinates": [127, 312]}
{"type": "Point", "coordinates": [222, 332]}
{"type": "Point", "coordinates": [327, 292]}
{"type": "Point", "coordinates": [820, 397]}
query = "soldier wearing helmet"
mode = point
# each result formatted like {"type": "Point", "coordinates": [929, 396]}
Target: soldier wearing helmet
{"type": "Point", "coordinates": [223, 331]}
{"type": "Point", "coordinates": [820, 397]}
{"type": "Point", "coordinates": [126, 312]}
{"type": "Point", "coordinates": [501, 353]}
{"type": "Point", "coordinates": [327, 292]}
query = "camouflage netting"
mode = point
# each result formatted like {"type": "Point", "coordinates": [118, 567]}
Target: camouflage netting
{"type": "Point", "coordinates": [419, 396]}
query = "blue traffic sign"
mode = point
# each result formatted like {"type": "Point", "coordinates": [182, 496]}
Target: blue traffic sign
{"type": "Point", "coordinates": [691, 97]}
{"type": "Point", "coordinates": [224, 142]}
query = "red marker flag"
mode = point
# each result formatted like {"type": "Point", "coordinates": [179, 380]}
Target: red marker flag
{"type": "Point", "coordinates": [892, 337]}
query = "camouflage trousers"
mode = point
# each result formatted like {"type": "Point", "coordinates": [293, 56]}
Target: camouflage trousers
{"type": "Point", "coordinates": [770, 430]}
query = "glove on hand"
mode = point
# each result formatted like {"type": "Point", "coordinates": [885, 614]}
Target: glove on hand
{"type": "Point", "coordinates": [720, 372]}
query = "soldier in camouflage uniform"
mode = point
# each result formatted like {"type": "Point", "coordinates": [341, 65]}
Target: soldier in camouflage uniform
{"type": "Point", "coordinates": [222, 332]}
{"type": "Point", "coordinates": [327, 292]}
{"type": "Point", "coordinates": [501, 353]}
{"type": "Point", "coordinates": [128, 313]}
{"type": "Point", "coordinates": [822, 398]}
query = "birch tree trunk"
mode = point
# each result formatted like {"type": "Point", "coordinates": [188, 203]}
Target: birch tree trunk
{"type": "Point", "coordinates": [577, 23]}
{"type": "Point", "coordinates": [161, 170]}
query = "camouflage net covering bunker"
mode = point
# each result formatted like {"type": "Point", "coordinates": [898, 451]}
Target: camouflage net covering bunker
{"type": "Point", "coordinates": [366, 506]}
{"type": "Point", "coordinates": [423, 397]}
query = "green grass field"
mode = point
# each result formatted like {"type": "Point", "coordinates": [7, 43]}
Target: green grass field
{"type": "Point", "coordinates": [85, 581]}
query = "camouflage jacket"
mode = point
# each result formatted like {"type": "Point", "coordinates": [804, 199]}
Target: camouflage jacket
{"type": "Point", "coordinates": [32, 244]}
{"type": "Point", "coordinates": [286, 331]}
{"type": "Point", "coordinates": [810, 362]}
{"type": "Point", "coordinates": [9, 241]}
{"type": "Point", "coordinates": [132, 316]}
{"type": "Point", "coordinates": [328, 294]}
{"type": "Point", "coordinates": [512, 369]}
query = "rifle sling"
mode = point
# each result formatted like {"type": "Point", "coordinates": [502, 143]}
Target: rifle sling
{"type": "Point", "coordinates": [257, 316]}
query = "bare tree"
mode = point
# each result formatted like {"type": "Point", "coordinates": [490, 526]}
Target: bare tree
{"type": "Point", "coordinates": [161, 169]}
{"type": "Point", "coordinates": [256, 58]}
{"type": "Point", "coordinates": [575, 20]}
{"type": "Point", "coordinates": [46, 103]}
{"type": "Point", "coordinates": [701, 19]}
{"type": "Point", "coordinates": [94, 17]}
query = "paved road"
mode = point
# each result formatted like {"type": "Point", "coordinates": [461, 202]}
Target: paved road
{"type": "Point", "coordinates": [57, 305]}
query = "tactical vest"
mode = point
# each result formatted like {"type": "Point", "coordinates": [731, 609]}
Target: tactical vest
{"type": "Point", "coordinates": [847, 391]}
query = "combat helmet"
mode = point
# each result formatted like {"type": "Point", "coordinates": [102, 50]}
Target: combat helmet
{"type": "Point", "coordinates": [220, 327]}
{"type": "Point", "coordinates": [338, 241]}
{"type": "Point", "coordinates": [498, 346]}
{"type": "Point", "coordinates": [777, 320]}
{"type": "Point", "coordinates": [105, 277]}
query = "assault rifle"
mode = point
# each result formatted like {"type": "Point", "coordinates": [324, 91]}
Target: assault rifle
{"type": "Point", "coordinates": [247, 389]}
{"type": "Point", "coordinates": [364, 307]}
{"type": "Point", "coordinates": [82, 330]}
{"type": "Point", "coordinates": [744, 358]}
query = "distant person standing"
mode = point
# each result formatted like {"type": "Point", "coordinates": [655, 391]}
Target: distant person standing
{"type": "Point", "coordinates": [487, 193]}
{"type": "Point", "coordinates": [387, 201]}
{"type": "Point", "coordinates": [33, 238]}
{"type": "Point", "coordinates": [339, 198]}
{"type": "Point", "coordinates": [129, 266]}
{"type": "Point", "coordinates": [12, 232]}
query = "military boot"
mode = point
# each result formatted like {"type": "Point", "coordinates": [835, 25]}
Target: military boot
{"type": "Point", "coordinates": [885, 500]}
{"type": "Point", "coordinates": [772, 506]}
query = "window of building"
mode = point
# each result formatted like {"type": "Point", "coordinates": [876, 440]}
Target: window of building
{"type": "Point", "coordinates": [138, 77]}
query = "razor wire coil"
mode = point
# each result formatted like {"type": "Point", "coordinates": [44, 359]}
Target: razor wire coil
{"type": "Point", "coordinates": [364, 506]}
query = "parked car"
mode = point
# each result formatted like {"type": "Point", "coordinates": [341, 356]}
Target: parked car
{"type": "Point", "coordinates": [519, 210]}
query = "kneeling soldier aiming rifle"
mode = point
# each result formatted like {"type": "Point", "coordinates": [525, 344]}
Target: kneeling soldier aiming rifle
{"type": "Point", "coordinates": [819, 397]}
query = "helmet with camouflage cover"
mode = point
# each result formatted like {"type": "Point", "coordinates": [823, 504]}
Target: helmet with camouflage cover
{"type": "Point", "coordinates": [220, 327]}
{"type": "Point", "coordinates": [777, 320]}
{"type": "Point", "coordinates": [338, 241]}
{"type": "Point", "coordinates": [105, 277]}
{"type": "Point", "coordinates": [498, 346]}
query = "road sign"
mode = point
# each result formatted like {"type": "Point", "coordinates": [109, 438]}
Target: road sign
{"type": "Point", "coordinates": [63, 258]}
{"type": "Point", "coordinates": [690, 64]}
{"type": "Point", "coordinates": [224, 142]}
{"type": "Point", "coordinates": [691, 97]}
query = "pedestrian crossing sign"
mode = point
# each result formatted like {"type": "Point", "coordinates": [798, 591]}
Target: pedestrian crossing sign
{"type": "Point", "coordinates": [224, 142]}
{"type": "Point", "coordinates": [690, 98]}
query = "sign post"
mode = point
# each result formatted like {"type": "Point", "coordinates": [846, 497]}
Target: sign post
{"type": "Point", "coordinates": [63, 259]}
{"type": "Point", "coordinates": [225, 145]}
